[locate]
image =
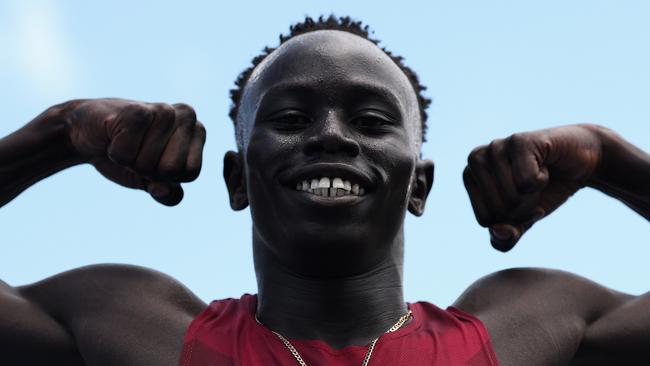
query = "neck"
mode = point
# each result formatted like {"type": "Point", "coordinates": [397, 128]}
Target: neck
{"type": "Point", "coordinates": [341, 311]}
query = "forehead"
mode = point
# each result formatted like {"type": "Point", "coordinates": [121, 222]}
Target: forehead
{"type": "Point", "coordinates": [328, 60]}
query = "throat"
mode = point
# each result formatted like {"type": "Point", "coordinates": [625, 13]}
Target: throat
{"type": "Point", "coordinates": [345, 311]}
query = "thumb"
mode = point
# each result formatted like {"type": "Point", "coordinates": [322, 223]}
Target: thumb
{"type": "Point", "coordinates": [503, 237]}
{"type": "Point", "coordinates": [169, 194]}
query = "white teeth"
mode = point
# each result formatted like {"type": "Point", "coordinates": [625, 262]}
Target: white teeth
{"type": "Point", "coordinates": [330, 187]}
{"type": "Point", "coordinates": [324, 183]}
{"type": "Point", "coordinates": [337, 183]}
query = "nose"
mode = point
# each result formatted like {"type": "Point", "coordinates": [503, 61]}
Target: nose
{"type": "Point", "coordinates": [329, 136]}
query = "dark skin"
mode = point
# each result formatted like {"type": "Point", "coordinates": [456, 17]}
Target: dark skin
{"type": "Point", "coordinates": [327, 103]}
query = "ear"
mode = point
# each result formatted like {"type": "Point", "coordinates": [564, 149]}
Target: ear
{"type": "Point", "coordinates": [233, 174]}
{"type": "Point", "coordinates": [422, 182]}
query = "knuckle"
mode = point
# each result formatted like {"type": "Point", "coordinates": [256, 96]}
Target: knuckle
{"type": "Point", "coordinates": [164, 112]}
{"type": "Point", "coordinates": [200, 130]}
{"type": "Point", "coordinates": [496, 147]}
{"type": "Point", "coordinates": [137, 116]}
{"type": "Point", "coordinates": [163, 108]}
{"type": "Point", "coordinates": [185, 113]}
{"type": "Point", "coordinates": [477, 157]}
{"type": "Point", "coordinates": [517, 141]}
{"type": "Point", "coordinates": [199, 133]}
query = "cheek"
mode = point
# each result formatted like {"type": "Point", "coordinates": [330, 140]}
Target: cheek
{"type": "Point", "coordinates": [397, 158]}
{"type": "Point", "coordinates": [267, 154]}
{"type": "Point", "coordinates": [267, 151]}
{"type": "Point", "coordinates": [265, 138]}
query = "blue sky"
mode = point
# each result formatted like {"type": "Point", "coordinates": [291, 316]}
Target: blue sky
{"type": "Point", "coordinates": [492, 69]}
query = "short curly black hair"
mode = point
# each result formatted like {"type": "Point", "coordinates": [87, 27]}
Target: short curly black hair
{"type": "Point", "coordinates": [331, 22]}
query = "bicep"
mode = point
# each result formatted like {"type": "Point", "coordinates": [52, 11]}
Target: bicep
{"type": "Point", "coordinates": [619, 334]}
{"type": "Point", "coordinates": [29, 335]}
{"type": "Point", "coordinates": [559, 317]}
{"type": "Point", "coordinates": [120, 314]}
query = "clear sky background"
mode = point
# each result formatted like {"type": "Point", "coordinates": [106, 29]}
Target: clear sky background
{"type": "Point", "coordinates": [492, 67]}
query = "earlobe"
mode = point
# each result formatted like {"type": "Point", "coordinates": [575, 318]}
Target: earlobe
{"type": "Point", "coordinates": [423, 181]}
{"type": "Point", "coordinates": [233, 174]}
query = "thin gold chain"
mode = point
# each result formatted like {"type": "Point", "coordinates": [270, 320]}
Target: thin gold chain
{"type": "Point", "coordinates": [371, 347]}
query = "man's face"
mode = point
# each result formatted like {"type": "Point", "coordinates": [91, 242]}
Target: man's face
{"type": "Point", "coordinates": [331, 133]}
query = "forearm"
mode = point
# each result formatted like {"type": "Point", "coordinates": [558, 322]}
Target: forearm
{"type": "Point", "coordinates": [36, 151]}
{"type": "Point", "coordinates": [624, 172]}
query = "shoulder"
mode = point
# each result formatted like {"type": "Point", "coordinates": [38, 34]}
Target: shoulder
{"type": "Point", "coordinates": [529, 286]}
{"type": "Point", "coordinates": [550, 309]}
{"type": "Point", "coordinates": [106, 285]}
{"type": "Point", "coordinates": [110, 314]}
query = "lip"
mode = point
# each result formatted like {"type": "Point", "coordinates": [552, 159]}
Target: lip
{"type": "Point", "coordinates": [342, 201]}
{"type": "Point", "coordinates": [290, 177]}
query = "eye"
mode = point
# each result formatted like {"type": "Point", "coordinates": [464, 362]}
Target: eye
{"type": "Point", "coordinates": [290, 120]}
{"type": "Point", "coordinates": [372, 122]}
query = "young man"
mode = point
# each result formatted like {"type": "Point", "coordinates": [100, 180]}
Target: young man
{"type": "Point", "coordinates": [329, 128]}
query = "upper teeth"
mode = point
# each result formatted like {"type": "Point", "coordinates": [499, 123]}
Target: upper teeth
{"type": "Point", "coordinates": [330, 187]}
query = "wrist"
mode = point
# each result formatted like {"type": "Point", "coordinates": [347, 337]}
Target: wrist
{"type": "Point", "coordinates": [51, 132]}
{"type": "Point", "coordinates": [608, 143]}
{"type": "Point", "coordinates": [37, 150]}
{"type": "Point", "coordinates": [623, 171]}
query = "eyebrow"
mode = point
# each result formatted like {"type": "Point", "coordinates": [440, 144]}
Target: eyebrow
{"type": "Point", "coordinates": [311, 86]}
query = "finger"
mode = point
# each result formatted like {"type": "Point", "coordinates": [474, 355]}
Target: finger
{"type": "Point", "coordinates": [155, 139]}
{"type": "Point", "coordinates": [527, 157]}
{"type": "Point", "coordinates": [504, 237]}
{"type": "Point", "coordinates": [126, 132]}
{"type": "Point", "coordinates": [195, 153]}
{"type": "Point", "coordinates": [502, 168]}
{"type": "Point", "coordinates": [119, 174]}
{"type": "Point", "coordinates": [174, 158]}
{"type": "Point", "coordinates": [481, 168]}
{"type": "Point", "coordinates": [169, 194]}
{"type": "Point", "coordinates": [481, 209]}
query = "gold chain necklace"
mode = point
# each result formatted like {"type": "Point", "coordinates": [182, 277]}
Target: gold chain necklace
{"type": "Point", "coordinates": [371, 347]}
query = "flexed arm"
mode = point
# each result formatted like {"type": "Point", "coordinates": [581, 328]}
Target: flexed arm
{"type": "Point", "coordinates": [517, 181]}
{"type": "Point", "coordinates": [74, 318]}
{"type": "Point", "coordinates": [513, 183]}
{"type": "Point", "coordinates": [146, 146]}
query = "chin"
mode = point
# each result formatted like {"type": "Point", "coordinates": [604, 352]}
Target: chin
{"type": "Point", "coordinates": [325, 250]}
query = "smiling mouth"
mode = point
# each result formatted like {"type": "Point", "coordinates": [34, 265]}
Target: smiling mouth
{"type": "Point", "coordinates": [330, 187]}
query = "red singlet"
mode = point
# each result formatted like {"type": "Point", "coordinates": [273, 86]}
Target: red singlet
{"type": "Point", "coordinates": [226, 334]}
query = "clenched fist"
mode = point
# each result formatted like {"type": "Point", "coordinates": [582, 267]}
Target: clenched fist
{"type": "Point", "coordinates": [148, 146]}
{"type": "Point", "coordinates": [514, 182]}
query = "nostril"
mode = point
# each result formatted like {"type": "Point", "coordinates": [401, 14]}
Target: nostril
{"type": "Point", "coordinates": [328, 144]}
{"type": "Point", "coordinates": [312, 147]}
